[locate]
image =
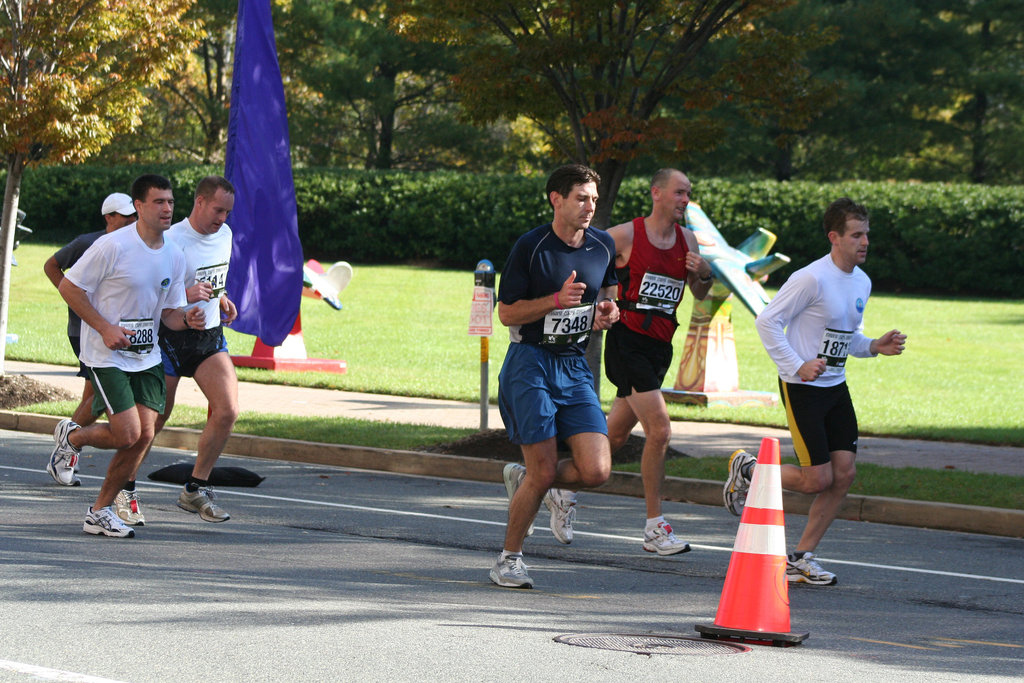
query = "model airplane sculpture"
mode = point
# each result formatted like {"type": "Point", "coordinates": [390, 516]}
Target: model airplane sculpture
{"type": "Point", "coordinates": [708, 371]}
{"type": "Point", "coordinates": [740, 269]}
{"type": "Point", "coordinates": [326, 285]}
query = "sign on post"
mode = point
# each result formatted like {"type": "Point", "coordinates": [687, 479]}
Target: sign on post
{"type": "Point", "coordinates": [480, 315]}
{"type": "Point", "coordinates": [481, 324]}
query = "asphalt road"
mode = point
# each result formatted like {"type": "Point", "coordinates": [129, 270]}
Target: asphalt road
{"type": "Point", "coordinates": [336, 574]}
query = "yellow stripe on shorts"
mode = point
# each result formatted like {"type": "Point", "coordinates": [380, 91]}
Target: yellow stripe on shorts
{"type": "Point", "coordinates": [803, 455]}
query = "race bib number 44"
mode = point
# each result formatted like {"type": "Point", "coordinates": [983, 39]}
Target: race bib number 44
{"type": "Point", "coordinates": [659, 292]}
{"type": "Point", "coordinates": [568, 325]}
{"type": "Point", "coordinates": [834, 347]}
{"type": "Point", "coordinates": [216, 275]}
{"type": "Point", "coordinates": [141, 335]}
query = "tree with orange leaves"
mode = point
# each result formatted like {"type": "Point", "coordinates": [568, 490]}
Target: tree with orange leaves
{"type": "Point", "coordinates": [71, 77]}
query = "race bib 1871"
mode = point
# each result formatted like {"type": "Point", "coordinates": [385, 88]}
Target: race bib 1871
{"type": "Point", "coordinates": [834, 347]}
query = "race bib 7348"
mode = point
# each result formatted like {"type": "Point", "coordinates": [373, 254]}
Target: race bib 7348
{"type": "Point", "coordinates": [568, 325]}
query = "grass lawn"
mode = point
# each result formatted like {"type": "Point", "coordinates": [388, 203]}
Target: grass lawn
{"type": "Point", "coordinates": [403, 331]}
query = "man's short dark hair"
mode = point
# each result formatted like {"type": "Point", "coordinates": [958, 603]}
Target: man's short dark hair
{"type": "Point", "coordinates": [662, 175]}
{"type": "Point", "coordinates": [566, 177]}
{"type": "Point", "coordinates": [209, 185]}
{"type": "Point", "coordinates": [142, 185]}
{"type": "Point", "coordinates": [840, 211]}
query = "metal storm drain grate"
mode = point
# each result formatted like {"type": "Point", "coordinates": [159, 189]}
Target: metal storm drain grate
{"type": "Point", "coordinates": [650, 644]}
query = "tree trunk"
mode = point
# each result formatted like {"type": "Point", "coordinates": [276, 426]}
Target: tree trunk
{"type": "Point", "coordinates": [979, 151]}
{"type": "Point", "coordinates": [12, 194]}
{"type": "Point", "coordinates": [782, 163]}
{"type": "Point", "coordinates": [387, 76]}
{"type": "Point", "coordinates": [612, 173]}
{"type": "Point", "coordinates": [979, 116]}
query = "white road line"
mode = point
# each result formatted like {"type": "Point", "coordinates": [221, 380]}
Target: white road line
{"type": "Point", "coordinates": [614, 537]}
{"type": "Point", "coordinates": [51, 674]}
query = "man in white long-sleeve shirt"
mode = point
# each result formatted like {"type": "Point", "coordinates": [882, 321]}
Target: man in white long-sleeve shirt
{"type": "Point", "coordinates": [809, 329]}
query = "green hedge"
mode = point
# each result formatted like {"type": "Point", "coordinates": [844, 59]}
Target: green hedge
{"type": "Point", "coordinates": [930, 237]}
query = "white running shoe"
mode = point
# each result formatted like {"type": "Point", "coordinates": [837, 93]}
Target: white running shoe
{"type": "Point", "coordinates": [104, 522]}
{"type": "Point", "coordinates": [64, 457]}
{"type": "Point", "coordinates": [511, 573]}
{"type": "Point", "coordinates": [807, 570]}
{"type": "Point", "coordinates": [735, 490]}
{"type": "Point", "coordinates": [513, 474]}
{"type": "Point", "coordinates": [661, 540]}
{"type": "Point", "coordinates": [562, 505]}
{"type": "Point", "coordinates": [201, 501]}
{"type": "Point", "coordinates": [126, 504]}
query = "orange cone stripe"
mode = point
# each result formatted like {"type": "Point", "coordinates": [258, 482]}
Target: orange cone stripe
{"type": "Point", "coordinates": [759, 516]}
{"type": "Point", "coordinates": [758, 539]}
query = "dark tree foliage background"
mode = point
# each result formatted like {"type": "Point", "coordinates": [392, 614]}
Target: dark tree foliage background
{"type": "Point", "coordinates": [825, 90]}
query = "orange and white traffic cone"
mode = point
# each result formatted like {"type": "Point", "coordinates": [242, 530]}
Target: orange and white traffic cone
{"type": "Point", "coordinates": [754, 605]}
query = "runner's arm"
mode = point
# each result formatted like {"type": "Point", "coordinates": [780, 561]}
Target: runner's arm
{"type": "Point", "coordinates": [53, 271]}
{"type": "Point", "coordinates": [699, 274]}
{"type": "Point", "coordinates": [228, 310]}
{"type": "Point", "coordinates": [623, 236]}
{"type": "Point", "coordinates": [179, 319]}
{"type": "Point", "coordinates": [114, 336]}
{"type": "Point", "coordinates": [607, 313]}
{"type": "Point", "coordinates": [793, 297]}
{"type": "Point", "coordinates": [527, 310]}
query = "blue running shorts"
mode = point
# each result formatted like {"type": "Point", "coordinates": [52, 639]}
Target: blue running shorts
{"type": "Point", "coordinates": [542, 395]}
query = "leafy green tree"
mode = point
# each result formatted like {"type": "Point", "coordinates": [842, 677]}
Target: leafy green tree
{"type": "Point", "coordinates": [188, 116]}
{"type": "Point", "coordinates": [71, 74]}
{"type": "Point", "coordinates": [925, 89]}
{"type": "Point", "coordinates": [362, 95]}
{"type": "Point", "coordinates": [988, 87]}
{"type": "Point", "coordinates": [594, 74]}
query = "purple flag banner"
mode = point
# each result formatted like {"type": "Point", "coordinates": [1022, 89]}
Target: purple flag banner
{"type": "Point", "coordinates": [265, 277]}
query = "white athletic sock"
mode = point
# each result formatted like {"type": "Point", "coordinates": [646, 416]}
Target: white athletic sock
{"type": "Point", "coordinates": [506, 553]}
{"type": "Point", "coordinates": [651, 523]}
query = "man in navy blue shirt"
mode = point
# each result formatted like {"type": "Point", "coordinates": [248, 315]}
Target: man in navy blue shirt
{"type": "Point", "coordinates": [556, 287]}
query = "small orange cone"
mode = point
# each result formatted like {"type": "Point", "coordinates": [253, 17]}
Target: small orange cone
{"type": "Point", "coordinates": [755, 599]}
{"type": "Point", "coordinates": [290, 356]}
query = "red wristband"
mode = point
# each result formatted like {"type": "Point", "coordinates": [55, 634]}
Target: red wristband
{"type": "Point", "coordinates": [557, 305]}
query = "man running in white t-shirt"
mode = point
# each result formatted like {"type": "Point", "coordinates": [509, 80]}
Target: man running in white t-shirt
{"type": "Point", "coordinates": [809, 329]}
{"type": "Point", "coordinates": [125, 285]}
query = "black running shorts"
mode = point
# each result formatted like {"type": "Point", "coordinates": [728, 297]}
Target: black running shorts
{"type": "Point", "coordinates": [184, 350]}
{"type": "Point", "coordinates": [635, 362]}
{"type": "Point", "coordinates": [821, 420]}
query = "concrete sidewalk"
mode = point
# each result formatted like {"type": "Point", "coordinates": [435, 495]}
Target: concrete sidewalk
{"type": "Point", "coordinates": [697, 439]}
